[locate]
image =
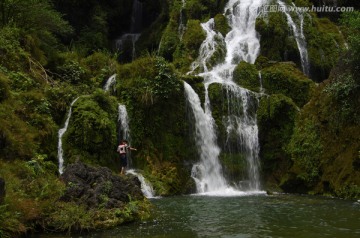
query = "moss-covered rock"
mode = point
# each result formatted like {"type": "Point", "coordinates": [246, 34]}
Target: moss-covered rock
{"type": "Point", "coordinates": [169, 40]}
{"type": "Point", "coordinates": [276, 117]}
{"type": "Point", "coordinates": [275, 41]}
{"type": "Point", "coordinates": [246, 75]}
{"type": "Point", "coordinates": [221, 24]}
{"type": "Point", "coordinates": [91, 135]}
{"type": "Point", "coordinates": [285, 78]}
{"type": "Point", "coordinates": [154, 97]}
{"type": "Point", "coordinates": [325, 144]}
{"type": "Point", "coordinates": [324, 42]}
{"type": "Point", "coordinates": [203, 9]}
{"type": "Point", "coordinates": [193, 37]}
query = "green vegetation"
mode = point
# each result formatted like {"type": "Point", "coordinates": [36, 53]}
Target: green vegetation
{"type": "Point", "coordinates": [52, 52]}
{"type": "Point", "coordinates": [323, 38]}
{"type": "Point", "coordinates": [285, 78]}
{"type": "Point", "coordinates": [246, 75]}
{"type": "Point", "coordinates": [32, 202]}
{"type": "Point", "coordinates": [276, 118]}
{"type": "Point", "coordinates": [324, 146]}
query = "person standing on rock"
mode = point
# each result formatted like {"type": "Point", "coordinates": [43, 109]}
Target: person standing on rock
{"type": "Point", "coordinates": [123, 149]}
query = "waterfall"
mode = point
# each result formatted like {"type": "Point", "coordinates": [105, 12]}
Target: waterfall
{"type": "Point", "coordinates": [182, 27]}
{"type": "Point", "coordinates": [60, 134]}
{"type": "Point", "coordinates": [298, 32]}
{"type": "Point", "coordinates": [207, 173]}
{"type": "Point", "coordinates": [135, 29]}
{"type": "Point", "coordinates": [208, 47]}
{"type": "Point", "coordinates": [124, 133]}
{"type": "Point", "coordinates": [123, 119]}
{"type": "Point", "coordinates": [242, 44]}
{"type": "Point", "coordinates": [262, 90]}
{"type": "Point", "coordinates": [136, 17]}
{"type": "Point", "coordinates": [126, 39]}
{"type": "Point", "coordinates": [110, 82]}
{"type": "Point", "coordinates": [146, 187]}
{"type": "Point", "coordinates": [242, 41]}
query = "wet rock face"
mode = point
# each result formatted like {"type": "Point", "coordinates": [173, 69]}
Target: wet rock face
{"type": "Point", "coordinates": [2, 190]}
{"type": "Point", "coordinates": [99, 187]}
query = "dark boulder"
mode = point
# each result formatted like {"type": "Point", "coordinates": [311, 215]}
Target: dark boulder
{"type": "Point", "coordinates": [99, 187]}
{"type": "Point", "coordinates": [2, 190]}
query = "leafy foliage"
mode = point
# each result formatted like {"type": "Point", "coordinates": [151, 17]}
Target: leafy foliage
{"type": "Point", "coordinates": [351, 21]}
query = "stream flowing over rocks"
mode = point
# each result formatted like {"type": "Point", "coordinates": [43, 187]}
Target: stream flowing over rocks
{"type": "Point", "coordinates": [99, 187]}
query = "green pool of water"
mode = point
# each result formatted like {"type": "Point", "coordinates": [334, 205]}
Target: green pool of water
{"type": "Point", "coordinates": [244, 216]}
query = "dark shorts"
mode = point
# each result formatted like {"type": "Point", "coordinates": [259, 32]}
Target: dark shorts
{"type": "Point", "coordinates": [123, 160]}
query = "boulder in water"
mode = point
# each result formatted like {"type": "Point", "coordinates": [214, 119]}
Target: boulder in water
{"type": "Point", "coordinates": [99, 187]}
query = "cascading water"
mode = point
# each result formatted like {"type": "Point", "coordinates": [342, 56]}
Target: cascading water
{"type": "Point", "coordinates": [135, 29]}
{"type": "Point", "coordinates": [124, 130]}
{"type": "Point", "coordinates": [207, 173]}
{"type": "Point", "coordinates": [241, 44]}
{"type": "Point", "coordinates": [60, 134]}
{"type": "Point", "coordinates": [182, 27]}
{"type": "Point", "coordinates": [124, 133]}
{"type": "Point", "coordinates": [261, 83]}
{"type": "Point", "coordinates": [146, 187]}
{"type": "Point", "coordinates": [110, 82]}
{"type": "Point", "coordinates": [298, 34]}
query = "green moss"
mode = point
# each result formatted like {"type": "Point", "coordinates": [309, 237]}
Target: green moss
{"type": "Point", "coordinates": [32, 189]}
{"type": "Point", "coordinates": [154, 97]}
{"type": "Point", "coordinates": [275, 41]}
{"type": "Point", "coordinates": [203, 9]}
{"type": "Point", "coordinates": [12, 56]}
{"type": "Point", "coordinates": [306, 148]}
{"type": "Point", "coordinates": [221, 24]}
{"type": "Point", "coordinates": [169, 41]}
{"type": "Point", "coordinates": [285, 78]}
{"type": "Point", "coordinates": [193, 37]}
{"type": "Point", "coordinates": [4, 88]}
{"type": "Point", "coordinates": [324, 42]}
{"type": "Point", "coordinates": [91, 135]}
{"type": "Point", "coordinates": [234, 166]}
{"type": "Point", "coordinates": [246, 75]}
{"type": "Point", "coordinates": [325, 150]}
{"type": "Point", "coordinates": [219, 107]}
{"type": "Point", "coordinates": [276, 115]}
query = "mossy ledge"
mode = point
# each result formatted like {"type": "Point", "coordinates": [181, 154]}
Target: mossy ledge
{"type": "Point", "coordinates": [84, 198]}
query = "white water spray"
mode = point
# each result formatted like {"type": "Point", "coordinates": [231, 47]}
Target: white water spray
{"type": "Point", "coordinates": [299, 35]}
{"type": "Point", "coordinates": [242, 44]}
{"type": "Point", "coordinates": [60, 134]}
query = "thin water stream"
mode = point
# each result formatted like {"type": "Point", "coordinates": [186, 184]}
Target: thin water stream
{"type": "Point", "coordinates": [277, 216]}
